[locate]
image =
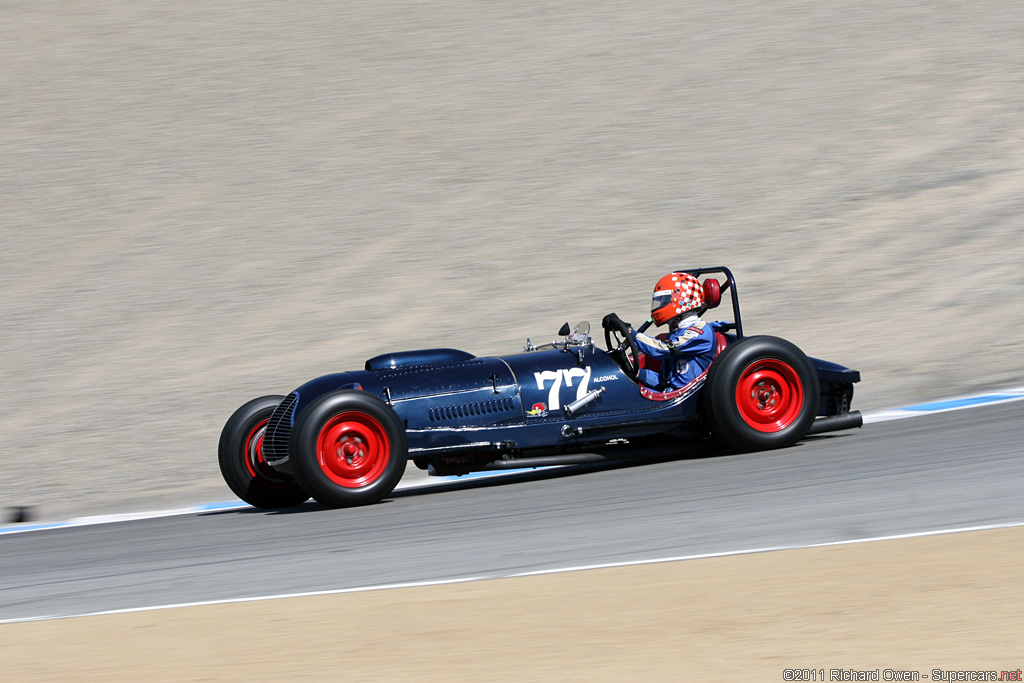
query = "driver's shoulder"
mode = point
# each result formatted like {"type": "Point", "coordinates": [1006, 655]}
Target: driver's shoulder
{"type": "Point", "coordinates": [691, 329]}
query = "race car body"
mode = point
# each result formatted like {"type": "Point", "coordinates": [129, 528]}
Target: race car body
{"type": "Point", "coordinates": [344, 438]}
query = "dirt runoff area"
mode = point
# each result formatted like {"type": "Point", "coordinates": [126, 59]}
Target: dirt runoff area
{"type": "Point", "coordinates": [946, 602]}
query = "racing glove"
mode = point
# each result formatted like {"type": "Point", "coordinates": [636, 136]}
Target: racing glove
{"type": "Point", "coordinates": [608, 322]}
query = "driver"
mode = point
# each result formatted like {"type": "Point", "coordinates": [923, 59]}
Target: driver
{"type": "Point", "coordinates": [685, 352]}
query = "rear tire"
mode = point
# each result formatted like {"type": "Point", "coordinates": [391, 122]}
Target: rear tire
{"type": "Point", "coordinates": [348, 448]}
{"type": "Point", "coordinates": [240, 454]}
{"type": "Point", "coordinates": [761, 393]}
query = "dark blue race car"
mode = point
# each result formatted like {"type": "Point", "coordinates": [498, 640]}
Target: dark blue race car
{"type": "Point", "coordinates": [345, 438]}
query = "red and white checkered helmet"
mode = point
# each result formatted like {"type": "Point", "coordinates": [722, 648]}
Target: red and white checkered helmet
{"type": "Point", "coordinates": [675, 294]}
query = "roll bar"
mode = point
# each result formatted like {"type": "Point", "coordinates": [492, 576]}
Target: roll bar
{"type": "Point", "coordinates": [729, 285]}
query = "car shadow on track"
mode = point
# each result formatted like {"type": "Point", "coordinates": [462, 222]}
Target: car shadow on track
{"type": "Point", "coordinates": [451, 485]}
{"type": "Point", "coordinates": [702, 450]}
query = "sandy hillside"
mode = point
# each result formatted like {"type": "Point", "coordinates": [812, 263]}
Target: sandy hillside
{"type": "Point", "coordinates": [201, 202]}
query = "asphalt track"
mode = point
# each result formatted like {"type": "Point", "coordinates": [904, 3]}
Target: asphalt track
{"type": "Point", "coordinates": [950, 470]}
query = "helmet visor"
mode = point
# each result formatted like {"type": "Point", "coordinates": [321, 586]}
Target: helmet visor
{"type": "Point", "coordinates": [661, 299]}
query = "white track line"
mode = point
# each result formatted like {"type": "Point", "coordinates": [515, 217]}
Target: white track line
{"type": "Point", "coordinates": [541, 572]}
{"type": "Point", "coordinates": [931, 408]}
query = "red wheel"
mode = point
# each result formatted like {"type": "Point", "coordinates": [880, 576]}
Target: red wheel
{"type": "Point", "coordinates": [245, 469]}
{"type": "Point", "coordinates": [353, 449]}
{"type": "Point", "coordinates": [761, 392]}
{"type": "Point", "coordinates": [769, 395]}
{"type": "Point", "coordinates": [348, 448]}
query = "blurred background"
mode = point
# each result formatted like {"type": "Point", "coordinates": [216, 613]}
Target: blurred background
{"type": "Point", "coordinates": [203, 202]}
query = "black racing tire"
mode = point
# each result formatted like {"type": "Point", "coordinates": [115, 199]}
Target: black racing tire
{"type": "Point", "coordinates": [761, 393]}
{"type": "Point", "coordinates": [348, 448]}
{"type": "Point", "coordinates": [240, 454]}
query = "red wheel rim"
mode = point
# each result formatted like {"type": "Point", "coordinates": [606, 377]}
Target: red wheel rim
{"type": "Point", "coordinates": [353, 449]}
{"type": "Point", "coordinates": [254, 460]}
{"type": "Point", "coordinates": [769, 395]}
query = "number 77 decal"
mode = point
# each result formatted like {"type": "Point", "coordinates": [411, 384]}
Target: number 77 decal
{"type": "Point", "coordinates": [557, 377]}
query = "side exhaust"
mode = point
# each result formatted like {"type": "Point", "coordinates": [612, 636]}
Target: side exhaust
{"type": "Point", "coordinates": [835, 423]}
{"type": "Point", "coordinates": [580, 403]}
{"type": "Point", "coordinates": [548, 460]}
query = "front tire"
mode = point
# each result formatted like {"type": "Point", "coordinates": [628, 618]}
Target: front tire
{"type": "Point", "coordinates": [761, 393]}
{"type": "Point", "coordinates": [348, 448]}
{"type": "Point", "coordinates": [245, 470]}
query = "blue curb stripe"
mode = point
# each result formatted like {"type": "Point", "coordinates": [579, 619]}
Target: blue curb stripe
{"type": "Point", "coordinates": [489, 473]}
{"type": "Point", "coordinates": [30, 527]}
{"type": "Point", "coordinates": [961, 402]}
{"type": "Point", "coordinates": [226, 505]}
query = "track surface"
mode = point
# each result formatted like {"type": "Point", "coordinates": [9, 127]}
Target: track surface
{"type": "Point", "coordinates": [956, 469]}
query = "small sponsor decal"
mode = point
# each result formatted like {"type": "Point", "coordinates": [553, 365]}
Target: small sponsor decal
{"type": "Point", "coordinates": [605, 378]}
{"type": "Point", "coordinates": [538, 410]}
{"type": "Point", "coordinates": [695, 330]}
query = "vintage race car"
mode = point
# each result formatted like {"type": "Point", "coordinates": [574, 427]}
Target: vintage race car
{"type": "Point", "coordinates": [345, 438]}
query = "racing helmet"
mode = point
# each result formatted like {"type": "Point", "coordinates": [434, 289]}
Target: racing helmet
{"type": "Point", "coordinates": [675, 294]}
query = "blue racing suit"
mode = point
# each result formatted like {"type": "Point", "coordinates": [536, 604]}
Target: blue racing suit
{"type": "Point", "coordinates": [685, 354]}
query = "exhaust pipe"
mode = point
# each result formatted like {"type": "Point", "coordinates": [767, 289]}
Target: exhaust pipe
{"type": "Point", "coordinates": [835, 423]}
{"type": "Point", "coordinates": [579, 403]}
{"type": "Point", "coordinates": [548, 460]}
